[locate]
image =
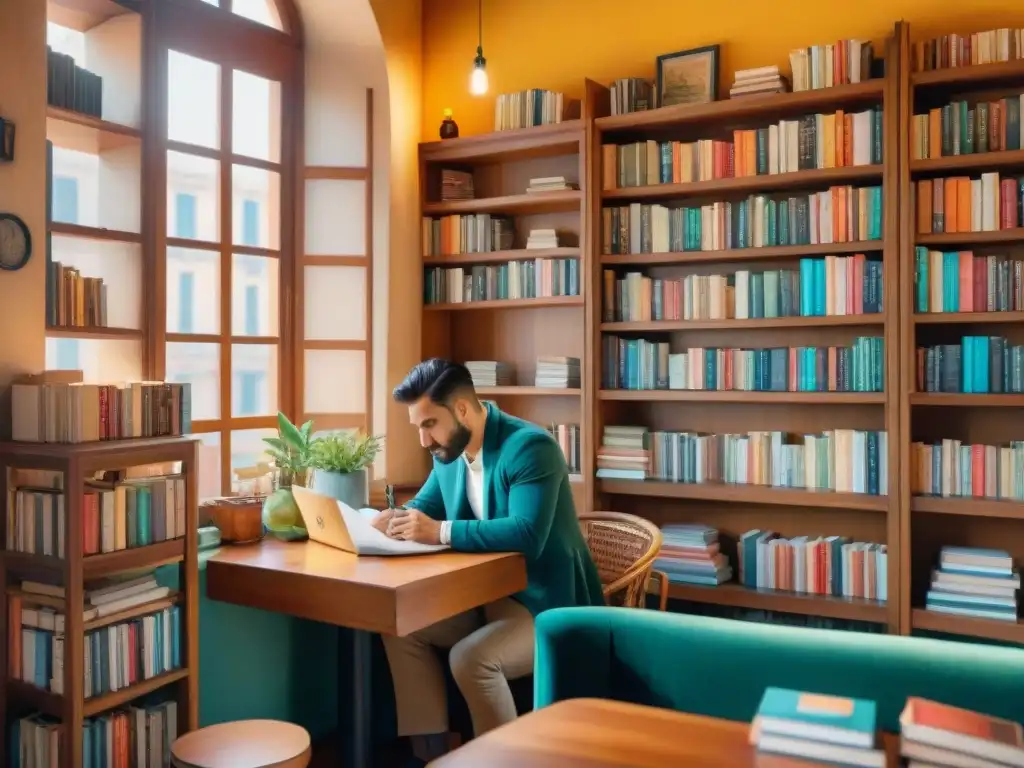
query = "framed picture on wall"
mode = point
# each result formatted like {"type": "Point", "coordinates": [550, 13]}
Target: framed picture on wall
{"type": "Point", "coordinates": [688, 77]}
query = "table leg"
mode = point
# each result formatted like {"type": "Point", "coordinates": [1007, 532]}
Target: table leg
{"type": "Point", "coordinates": [355, 689]}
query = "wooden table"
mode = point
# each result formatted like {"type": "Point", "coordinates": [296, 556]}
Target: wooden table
{"type": "Point", "coordinates": [595, 733]}
{"type": "Point", "coordinates": [390, 595]}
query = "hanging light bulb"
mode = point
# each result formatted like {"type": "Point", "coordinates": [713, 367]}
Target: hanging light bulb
{"type": "Point", "coordinates": [478, 80]}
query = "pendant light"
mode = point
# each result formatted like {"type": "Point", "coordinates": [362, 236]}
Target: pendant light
{"type": "Point", "coordinates": [478, 80]}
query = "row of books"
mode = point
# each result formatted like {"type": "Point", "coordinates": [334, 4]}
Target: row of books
{"type": "Point", "coordinates": [514, 280]}
{"type": "Point", "coordinates": [825, 66]}
{"type": "Point", "coordinates": [138, 736]}
{"type": "Point", "coordinates": [553, 372]}
{"type": "Point", "coordinates": [960, 128]}
{"type": "Point", "coordinates": [961, 281]}
{"type": "Point", "coordinates": [836, 730]}
{"type": "Point", "coordinates": [988, 47]}
{"type": "Point", "coordinates": [691, 554]}
{"type": "Point", "coordinates": [833, 285]}
{"type": "Point", "coordinates": [641, 364]}
{"type": "Point", "coordinates": [977, 365]}
{"type": "Point", "coordinates": [632, 94]}
{"type": "Point", "coordinates": [79, 413]}
{"type": "Point", "coordinates": [962, 204]}
{"type": "Point", "coordinates": [532, 107]}
{"type": "Point", "coordinates": [466, 233]}
{"type": "Point", "coordinates": [981, 583]}
{"type": "Point", "coordinates": [806, 143]}
{"type": "Point", "coordinates": [568, 437]}
{"type": "Point", "coordinates": [73, 300]}
{"type": "Point", "coordinates": [844, 460]}
{"type": "Point", "coordinates": [951, 468]}
{"type": "Point", "coordinates": [813, 565]}
{"type": "Point", "coordinates": [841, 214]}
{"type": "Point", "coordinates": [72, 87]}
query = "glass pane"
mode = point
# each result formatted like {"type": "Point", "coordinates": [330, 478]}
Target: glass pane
{"type": "Point", "coordinates": [256, 117]}
{"type": "Point", "coordinates": [335, 381]}
{"type": "Point", "coordinates": [209, 467]}
{"type": "Point", "coordinates": [193, 291]}
{"type": "Point", "coordinates": [248, 448]}
{"type": "Point", "coordinates": [97, 189]}
{"type": "Point", "coordinates": [254, 296]}
{"type": "Point", "coordinates": [193, 197]}
{"type": "Point", "coordinates": [328, 288]}
{"type": "Point", "coordinates": [193, 100]}
{"type": "Point", "coordinates": [253, 379]}
{"type": "Point", "coordinates": [335, 218]}
{"type": "Point", "coordinates": [110, 274]}
{"type": "Point", "coordinates": [262, 11]}
{"type": "Point", "coordinates": [212, 2]}
{"type": "Point", "coordinates": [198, 364]}
{"type": "Point", "coordinates": [102, 361]}
{"type": "Point", "coordinates": [257, 207]}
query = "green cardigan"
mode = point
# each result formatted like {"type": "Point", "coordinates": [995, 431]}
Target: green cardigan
{"type": "Point", "coordinates": [528, 507]}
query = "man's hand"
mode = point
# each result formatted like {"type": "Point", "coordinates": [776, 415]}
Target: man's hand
{"type": "Point", "coordinates": [413, 525]}
{"type": "Point", "coordinates": [382, 520]}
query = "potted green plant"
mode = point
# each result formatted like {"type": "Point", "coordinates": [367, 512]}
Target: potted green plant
{"type": "Point", "coordinates": [290, 450]}
{"type": "Point", "coordinates": [339, 461]}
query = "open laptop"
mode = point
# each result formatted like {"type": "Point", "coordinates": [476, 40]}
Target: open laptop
{"type": "Point", "coordinates": [336, 524]}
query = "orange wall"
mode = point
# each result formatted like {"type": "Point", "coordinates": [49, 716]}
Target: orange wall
{"type": "Point", "coordinates": [556, 43]}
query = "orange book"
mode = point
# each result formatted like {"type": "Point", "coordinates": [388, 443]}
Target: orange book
{"type": "Point", "coordinates": [942, 726]}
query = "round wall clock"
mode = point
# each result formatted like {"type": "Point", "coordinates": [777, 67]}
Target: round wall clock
{"type": "Point", "coordinates": [15, 242]}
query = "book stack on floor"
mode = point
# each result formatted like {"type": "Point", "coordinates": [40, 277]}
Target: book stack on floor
{"type": "Point", "coordinates": [827, 729]}
{"type": "Point", "coordinates": [558, 372]}
{"type": "Point", "coordinates": [456, 185]}
{"type": "Point", "coordinates": [491, 373]}
{"type": "Point", "coordinates": [623, 454]}
{"type": "Point", "coordinates": [690, 554]}
{"type": "Point", "coordinates": [749, 82]}
{"type": "Point", "coordinates": [542, 238]}
{"type": "Point", "coordinates": [934, 735]}
{"type": "Point", "coordinates": [550, 184]}
{"type": "Point", "coordinates": [975, 582]}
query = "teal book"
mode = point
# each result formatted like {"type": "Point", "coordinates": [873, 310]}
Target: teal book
{"type": "Point", "coordinates": [818, 717]}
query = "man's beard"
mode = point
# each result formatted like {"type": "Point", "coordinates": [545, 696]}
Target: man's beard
{"type": "Point", "coordinates": [453, 447]}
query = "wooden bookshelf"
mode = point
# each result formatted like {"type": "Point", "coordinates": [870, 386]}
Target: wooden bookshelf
{"type": "Point", "coordinates": [734, 509]}
{"type": "Point", "coordinates": [76, 463]}
{"type": "Point", "coordinates": [930, 522]}
{"type": "Point", "coordinates": [519, 330]}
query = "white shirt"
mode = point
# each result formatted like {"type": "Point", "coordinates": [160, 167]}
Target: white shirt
{"type": "Point", "coordinates": [474, 493]}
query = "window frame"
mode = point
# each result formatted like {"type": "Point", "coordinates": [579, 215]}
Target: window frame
{"type": "Point", "coordinates": [232, 42]}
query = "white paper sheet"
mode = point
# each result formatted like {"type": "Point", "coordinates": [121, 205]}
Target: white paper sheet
{"type": "Point", "coordinates": [370, 541]}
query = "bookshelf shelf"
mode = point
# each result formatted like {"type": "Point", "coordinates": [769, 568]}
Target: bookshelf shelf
{"type": "Point", "coordinates": [666, 326]}
{"type": "Point", "coordinates": [990, 629]}
{"type": "Point", "coordinates": [746, 108]}
{"type": "Point", "coordinates": [547, 301]}
{"type": "Point", "coordinates": [83, 15]}
{"type": "Point", "coordinates": [972, 507]}
{"type": "Point", "coordinates": [745, 494]}
{"type": "Point", "coordinates": [821, 177]}
{"type": "Point", "coordinates": [84, 133]}
{"type": "Point", "coordinates": [92, 332]}
{"type": "Point", "coordinates": [964, 400]}
{"type": "Point", "coordinates": [962, 318]}
{"type": "Point", "coordinates": [93, 233]}
{"type": "Point", "coordinates": [97, 704]}
{"type": "Point", "coordinates": [738, 596]}
{"type": "Point", "coordinates": [522, 205]}
{"type": "Point", "coordinates": [504, 146]}
{"type": "Point", "coordinates": [1000, 236]}
{"type": "Point", "coordinates": [528, 391]}
{"type": "Point", "coordinates": [743, 396]}
{"type": "Point", "coordinates": [501, 256]}
{"type": "Point", "coordinates": [976, 76]}
{"type": "Point", "coordinates": [979, 161]}
{"type": "Point", "coordinates": [161, 553]}
{"type": "Point", "coordinates": [740, 254]}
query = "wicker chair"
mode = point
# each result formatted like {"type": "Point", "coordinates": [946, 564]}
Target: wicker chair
{"type": "Point", "coordinates": [624, 548]}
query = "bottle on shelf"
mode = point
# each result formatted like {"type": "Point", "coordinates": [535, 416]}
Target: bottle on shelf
{"type": "Point", "coordinates": [449, 128]}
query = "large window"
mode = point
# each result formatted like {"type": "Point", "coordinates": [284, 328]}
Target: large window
{"type": "Point", "coordinates": [226, 213]}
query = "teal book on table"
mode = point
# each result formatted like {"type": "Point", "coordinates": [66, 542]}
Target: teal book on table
{"type": "Point", "coordinates": [818, 717]}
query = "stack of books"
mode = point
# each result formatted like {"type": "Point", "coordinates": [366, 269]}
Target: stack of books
{"type": "Point", "coordinates": [818, 727]}
{"type": "Point", "coordinates": [934, 735]}
{"type": "Point", "coordinates": [542, 238]}
{"type": "Point", "coordinates": [491, 373]}
{"type": "Point", "coordinates": [623, 454]}
{"type": "Point", "coordinates": [456, 185]}
{"type": "Point", "coordinates": [550, 184]}
{"type": "Point", "coordinates": [631, 94]}
{"type": "Point", "coordinates": [975, 582]}
{"type": "Point", "coordinates": [558, 372]}
{"type": "Point", "coordinates": [690, 554]}
{"type": "Point", "coordinates": [759, 80]}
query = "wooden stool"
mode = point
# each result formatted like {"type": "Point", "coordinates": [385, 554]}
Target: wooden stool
{"type": "Point", "coordinates": [245, 744]}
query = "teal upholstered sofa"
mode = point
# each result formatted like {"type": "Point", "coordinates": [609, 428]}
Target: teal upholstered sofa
{"type": "Point", "coordinates": [720, 668]}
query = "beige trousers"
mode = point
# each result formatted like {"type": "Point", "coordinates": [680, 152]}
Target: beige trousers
{"type": "Point", "coordinates": [488, 648]}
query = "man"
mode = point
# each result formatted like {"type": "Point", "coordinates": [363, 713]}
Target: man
{"type": "Point", "coordinates": [499, 484]}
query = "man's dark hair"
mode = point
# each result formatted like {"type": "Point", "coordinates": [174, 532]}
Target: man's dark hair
{"type": "Point", "coordinates": [440, 380]}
